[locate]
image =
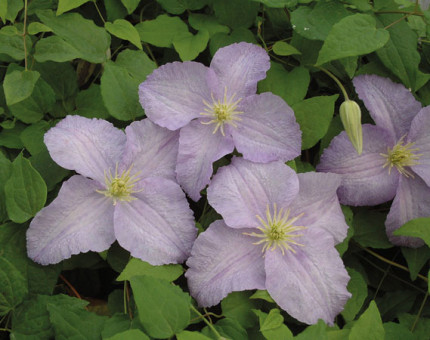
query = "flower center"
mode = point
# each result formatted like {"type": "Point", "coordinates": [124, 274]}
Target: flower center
{"type": "Point", "coordinates": [120, 186]}
{"type": "Point", "coordinates": [222, 112]}
{"type": "Point", "coordinates": [400, 156]}
{"type": "Point", "coordinates": [278, 230]}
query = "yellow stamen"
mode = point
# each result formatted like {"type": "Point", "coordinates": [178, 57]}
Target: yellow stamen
{"type": "Point", "coordinates": [278, 230]}
{"type": "Point", "coordinates": [401, 156]}
{"type": "Point", "coordinates": [120, 186]}
{"type": "Point", "coordinates": [222, 112]}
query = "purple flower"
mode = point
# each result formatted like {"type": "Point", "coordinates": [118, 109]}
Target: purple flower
{"type": "Point", "coordinates": [278, 233]}
{"type": "Point", "coordinates": [217, 109]}
{"type": "Point", "coordinates": [395, 162]}
{"type": "Point", "coordinates": [124, 191]}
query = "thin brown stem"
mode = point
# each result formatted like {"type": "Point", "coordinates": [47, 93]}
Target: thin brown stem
{"type": "Point", "coordinates": [75, 292]}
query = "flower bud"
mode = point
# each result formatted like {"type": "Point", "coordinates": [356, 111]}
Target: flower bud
{"type": "Point", "coordinates": [350, 114]}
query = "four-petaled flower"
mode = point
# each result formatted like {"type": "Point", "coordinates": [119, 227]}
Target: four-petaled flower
{"type": "Point", "coordinates": [217, 109]}
{"type": "Point", "coordinates": [278, 233]}
{"type": "Point", "coordinates": [395, 162]}
{"type": "Point", "coordinates": [125, 191]}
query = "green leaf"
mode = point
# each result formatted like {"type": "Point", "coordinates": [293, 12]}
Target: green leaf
{"type": "Point", "coordinates": [392, 304]}
{"type": "Point", "coordinates": [236, 13]}
{"type": "Point", "coordinates": [369, 229]}
{"type": "Point", "coordinates": [25, 191]}
{"type": "Point", "coordinates": [315, 23]}
{"type": "Point", "coordinates": [164, 309]}
{"type": "Point", "coordinates": [89, 103]}
{"type": "Point", "coordinates": [37, 27]}
{"type": "Point", "coordinates": [115, 10]}
{"type": "Point", "coordinates": [352, 36]}
{"type": "Point", "coordinates": [67, 5]}
{"type": "Point", "coordinates": [206, 22]}
{"type": "Point", "coordinates": [75, 323]}
{"type": "Point", "coordinates": [284, 49]}
{"type": "Point", "coordinates": [368, 326]}
{"type": "Point", "coordinates": [272, 325]}
{"type": "Point", "coordinates": [3, 10]}
{"type": "Point", "coordinates": [33, 108]}
{"type": "Point", "coordinates": [395, 331]}
{"type": "Point", "coordinates": [50, 171]}
{"type": "Point", "coordinates": [228, 329]}
{"type": "Point", "coordinates": [317, 331]}
{"type": "Point", "coordinates": [357, 286]}
{"type": "Point", "coordinates": [135, 267]}
{"type": "Point", "coordinates": [13, 286]}
{"type": "Point", "coordinates": [56, 49]}
{"type": "Point", "coordinates": [262, 294]}
{"type": "Point", "coordinates": [291, 86]}
{"type": "Point", "coordinates": [421, 328]}
{"type": "Point", "coordinates": [118, 323]}
{"type": "Point", "coordinates": [19, 85]}
{"type": "Point", "coordinates": [64, 87]}
{"type": "Point", "coordinates": [123, 29]}
{"type": "Point", "coordinates": [238, 306]}
{"type": "Point", "coordinates": [131, 334]}
{"type": "Point", "coordinates": [120, 93]}
{"type": "Point", "coordinates": [180, 6]}
{"type": "Point", "coordinates": [418, 227]}
{"type": "Point", "coordinates": [416, 259]}
{"type": "Point", "coordinates": [162, 31]}
{"type": "Point", "coordinates": [187, 335]}
{"type": "Point", "coordinates": [31, 319]}
{"type": "Point", "coordinates": [278, 3]}
{"type": "Point", "coordinates": [314, 116]}
{"type": "Point", "coordinates": [137, 63]}
{"type": "Point", "coordinates": [10, 137]}
{"type": "Point", "coordinates": [5, 171]}
{"type": "Point", "coordinates": [237, 35]}
{"type": "Point", "coordinates": [32, 137]}
{"type": "Point", "coordinates": [13, 8]}
{"type": "Point", "coordinates": [89, 41]}
{"type": "Point", "coordinates": [190, 47]}
{"type": "Point", "coordinates": [130, 5]}
{"type": "Point", "coordinates": [400, 54]}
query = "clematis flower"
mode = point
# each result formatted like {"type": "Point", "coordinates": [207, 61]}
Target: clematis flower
{"type": "Point", "coordinates": [278, 233]}
{"type": "Point", "coordinates": [395, 162]}
{"type": "Point", "coordinates": [125, 191]}
{"type": "Point", "coordinates": [217, 109]}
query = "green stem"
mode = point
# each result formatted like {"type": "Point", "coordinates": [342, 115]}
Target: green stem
{"type": "Point", "coordinates": [150, 53]}
{"type": "Point", "coordinates": [395, 264]}
{"type": "Point", "coordinates": [207, 322]}
{"type": "Point", "coordinates": [420, 311]}
{"type": "Point", "coordinates": [397, 21]}
{"type": "Point", "coordinates": [98, 11]}
{"type": "Point", "coordinates": [5, 330]}
{"type": "Point", "coordinates": [401, 12]}
{"type": "Point", "coordinates": [337, 81]}
{"type": "Point", "coordinates": [125, 298]}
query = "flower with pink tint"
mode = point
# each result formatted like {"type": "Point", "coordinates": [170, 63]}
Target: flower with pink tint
{"type": "Point", "coordinates": [125, 191]}
{"type": "Point", "coordinates": [395, 162]}
{"type": "Point", "coordinates": [217, 109]}
{"type": "Point", "coordinates": [279, 233]}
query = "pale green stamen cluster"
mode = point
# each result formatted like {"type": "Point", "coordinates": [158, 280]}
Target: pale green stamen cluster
{"type": "Point", "coordinates": [120, 186]}
{"type": "Point", "coordinates": [222, 112]}
{"type": "Point", "coordinates": [401, 156]}
{"type": "Point", "coordinates": [278, 230]}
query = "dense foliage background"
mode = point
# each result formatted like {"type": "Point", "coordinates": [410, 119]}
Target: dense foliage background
{"type": "Point", "coordinates": [87, 58]}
